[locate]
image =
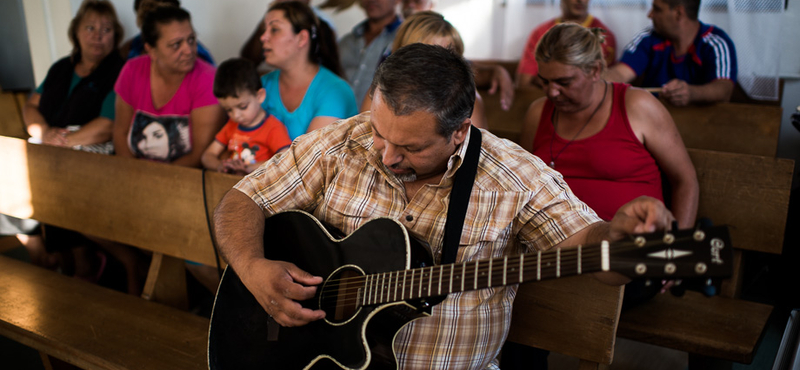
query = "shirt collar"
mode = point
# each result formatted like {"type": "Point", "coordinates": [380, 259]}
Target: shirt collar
{"type": "Point", "coordinates": [586, 23]}
{"type": "Point", "coordinates": [361, 28]}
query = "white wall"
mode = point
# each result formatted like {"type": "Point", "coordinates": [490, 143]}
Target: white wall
{"type": "Point", "coordinates": [492, 29]}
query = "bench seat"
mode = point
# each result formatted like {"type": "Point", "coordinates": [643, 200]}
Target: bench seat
{"type": "Point", "coordinates": [719, 327]}
{"type": "Point", "coordinates": [94, 327]}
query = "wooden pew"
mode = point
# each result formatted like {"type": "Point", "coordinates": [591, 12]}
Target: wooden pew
{"type": "Point", "coordinates": [727, 127]}
{"type": "Point", "coordinates": [11, 123]}
{"type": "Point", "coordinates": [152, 206]}
{"type": "Point", "coordinates": [575, 316]}
{"type": "Point", "coordinates": [118, 198]}
{"type": "Point", "coordinates": [751, 195]}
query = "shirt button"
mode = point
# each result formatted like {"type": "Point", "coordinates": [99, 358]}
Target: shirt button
{"type": "Point", "coordinates": [409, 218]}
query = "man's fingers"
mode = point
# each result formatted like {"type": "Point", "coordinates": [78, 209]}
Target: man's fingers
{"type": "Point", "coordinates": [303, 277]}
{"type": "Point", "coordinates": [287, 312]}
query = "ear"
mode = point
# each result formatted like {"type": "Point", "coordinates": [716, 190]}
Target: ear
{"type": "Point", "coordinates": [680, 11]}
{"type": "Point", "coordinates": [305, 38]}
{"type": "Point", "coordinates": [261, 95]}
{"type": "Point", "coordinates": [597, 71]}
{"type": "Point", "coordinates": [148, 50]}
{"type": "Point", "coordinates": [460, 134]}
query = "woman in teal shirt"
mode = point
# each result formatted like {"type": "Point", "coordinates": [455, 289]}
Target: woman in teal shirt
{"type": "Point", "coordinates": [306, 90]}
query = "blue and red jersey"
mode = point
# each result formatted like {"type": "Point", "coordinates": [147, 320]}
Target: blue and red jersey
{"type": "Point", "coordinates": [712, 56]}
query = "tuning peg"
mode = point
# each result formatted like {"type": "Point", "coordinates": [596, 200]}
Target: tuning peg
{"type": "Point", "coordinates": [710, 289]}
{"type": "Point", "coordinates": [678, 289]}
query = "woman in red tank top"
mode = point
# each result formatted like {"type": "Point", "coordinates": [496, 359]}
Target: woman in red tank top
{"type": "Point", "coordinates": [611, 142]}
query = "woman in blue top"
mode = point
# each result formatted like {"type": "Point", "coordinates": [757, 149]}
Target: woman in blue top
{"type": "Point", "coordinates": [306, 90]}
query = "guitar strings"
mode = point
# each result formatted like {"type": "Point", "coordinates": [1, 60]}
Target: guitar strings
{"type": "Point", "coordinates": [547, 262]}
{"type": "Point", "coordinates": [379, 293]}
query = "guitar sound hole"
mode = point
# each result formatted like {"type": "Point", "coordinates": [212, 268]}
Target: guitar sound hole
{"type": "Point", "coordinates": [340, 295]}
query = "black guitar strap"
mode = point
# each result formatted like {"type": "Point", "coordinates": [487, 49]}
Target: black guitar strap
{"type": "Point", "coordinates": [459, 197]}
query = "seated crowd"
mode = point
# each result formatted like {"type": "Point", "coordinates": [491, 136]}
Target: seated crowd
{"type": "Point", "coordinates": [159, 97]}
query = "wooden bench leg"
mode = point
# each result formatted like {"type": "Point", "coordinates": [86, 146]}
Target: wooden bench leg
{"type": "Point", "coordinates": [589, 365]}
{"type": "Point", "coordinates": [698, 362]}
{"type": "Point", "coordinates": [166, 282]}
{"type": "Point", "coordinates": [46, 361]}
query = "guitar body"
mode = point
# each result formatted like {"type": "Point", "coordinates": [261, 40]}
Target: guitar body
{"type": "Point", "coordinates": [243, 336]}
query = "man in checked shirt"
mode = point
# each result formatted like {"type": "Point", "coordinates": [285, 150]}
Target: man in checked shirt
{"type": "Point", "coordinates": [398, 161]}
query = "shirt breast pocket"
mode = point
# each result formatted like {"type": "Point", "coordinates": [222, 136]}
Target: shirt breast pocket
{"type": "Point", "coordinates": [352, 201]}
{"type": "Point", "coordinates": [488, 225]}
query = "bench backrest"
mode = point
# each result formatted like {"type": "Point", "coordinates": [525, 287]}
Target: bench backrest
{"type": "Point", "coordinates": [575, 316]}
{"type": "Point", "coordinates": [11, 123]}
{"type": "Point", "coordinates": [749, 193]}
{"type": "Point", "coordinates": [726, 127]}
{"type": "Point", "coordinates": [111, 197]}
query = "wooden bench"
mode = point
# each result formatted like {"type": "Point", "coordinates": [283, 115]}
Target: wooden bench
{"type": "Point", "coordinates": [11, 123]}
{"type": "Point", "coordinates": [574, 316]}
{"type": "Point", "coordinates": [751, 195]}
{"type": "Point", "coordinates": [152, 206]}
{"type": "Point", "coordinates": [159, 208]}
{"type": "Point", "coordinates": [727, 127]}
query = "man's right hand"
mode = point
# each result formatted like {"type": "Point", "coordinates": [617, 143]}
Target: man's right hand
{"type": "Point", "coordinates": [279, 286]}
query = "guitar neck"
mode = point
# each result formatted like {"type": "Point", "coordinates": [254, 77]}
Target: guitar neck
{"type": "Point", "coordinates": [444, 279]}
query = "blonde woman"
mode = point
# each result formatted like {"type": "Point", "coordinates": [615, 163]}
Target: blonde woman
{"type": "Point", "coordinates": [431, 28]}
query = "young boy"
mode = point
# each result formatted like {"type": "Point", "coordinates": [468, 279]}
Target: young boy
{"type": "Point", "coordinates": [251, 135]}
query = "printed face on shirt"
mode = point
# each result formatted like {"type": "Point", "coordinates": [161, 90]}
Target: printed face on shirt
{"type": "Point", "coordinates": [414, 6]}
{"type": "Point", "coordinates": [568, 87]}
{"type": "Point", "coordinates": [281, 45]}
{"type": "Point", "coordinates": [575, 10]}
{"type": "Point", "coordinates": [379, 10]}
{"type": "Point", "coordinates": [246, 108]}
{"type": "Point", "coordinates": [155, 142]}
{"type": "Point", "coordinates": [159, 138]}
{"type": "Point", "coordinates": [176, 48]}
{"type": "Point", "coordinates": [409, 145]}
{"type": "Point", "coordinates": [95, 36]}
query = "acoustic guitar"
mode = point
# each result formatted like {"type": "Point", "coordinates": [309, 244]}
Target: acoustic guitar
{"type": "Point", "coordinates": [378, 279]}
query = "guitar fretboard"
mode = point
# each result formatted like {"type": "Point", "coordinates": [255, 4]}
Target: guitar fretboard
{"type": "Point", "coordinates": [441, 280]}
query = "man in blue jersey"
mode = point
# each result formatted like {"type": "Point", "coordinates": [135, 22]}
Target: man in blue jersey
{"type": "Point", "coordinates": [690, 61]}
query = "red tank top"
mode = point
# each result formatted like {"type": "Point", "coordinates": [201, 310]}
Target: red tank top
{"type": "Point", "coordinates": [605, 170]}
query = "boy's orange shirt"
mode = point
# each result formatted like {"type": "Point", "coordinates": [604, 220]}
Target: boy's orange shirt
{"type": "Point", "coordinates": [254, 144]}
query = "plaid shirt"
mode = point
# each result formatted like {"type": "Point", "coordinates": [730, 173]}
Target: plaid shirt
{"type": "Point", "coordinates": [517, 204]}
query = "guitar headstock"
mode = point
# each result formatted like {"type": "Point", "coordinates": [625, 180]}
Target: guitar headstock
{"type": "Point", "coordinates": [678, 254]}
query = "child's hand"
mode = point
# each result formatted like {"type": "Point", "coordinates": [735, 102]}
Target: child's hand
{"type": "Point", "coordinates": [235, 166]}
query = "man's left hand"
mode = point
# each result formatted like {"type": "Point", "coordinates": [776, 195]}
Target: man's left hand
{"type": "Point", "coordinates": [641, 215]}
{"type": "Point", "coordinates": [502, 80]}
{"type": "Point", "coordinates": [677, 92]}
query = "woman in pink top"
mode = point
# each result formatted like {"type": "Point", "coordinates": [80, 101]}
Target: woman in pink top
{"type": "Point", "coordinates": [166, 110]}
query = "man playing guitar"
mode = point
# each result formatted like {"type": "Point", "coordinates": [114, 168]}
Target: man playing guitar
{"type": "Point", "coordinates": [399, 161]}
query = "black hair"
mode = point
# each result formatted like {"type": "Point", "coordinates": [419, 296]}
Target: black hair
{"type": "Point", "coordinates": [234, 76]}
{"type": "Point", "coordinates": [691, 7]}
{"type": "Point", "coordinates": [430, 78]}
{"type": "Point", "coordinates": [136, 3]}
{"type": "Point", "coordinates": [323, 46]}
{"type": "Point", "coordinates": [160, 16]}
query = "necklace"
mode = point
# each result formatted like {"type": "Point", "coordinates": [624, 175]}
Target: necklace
{"type": "Point", "coordinates": [555, 126]}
